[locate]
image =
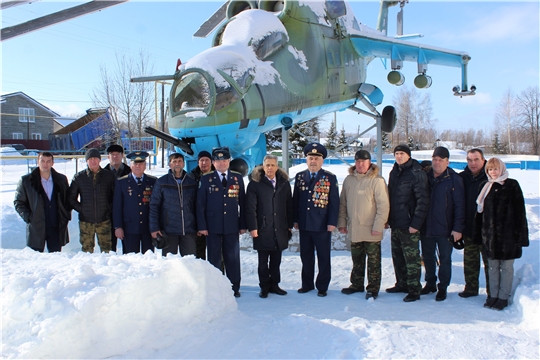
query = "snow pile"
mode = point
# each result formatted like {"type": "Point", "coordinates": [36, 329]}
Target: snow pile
{"type": "Point", "coordinates": [104, 304]}
{"type": "Point", "coordinates": [236, 56]}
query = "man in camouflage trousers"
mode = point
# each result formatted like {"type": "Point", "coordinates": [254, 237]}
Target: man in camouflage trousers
{"type": "Point", "coordinates": [363, 212]}
{"type": "Point", "coordinates": [91, 194]}
{"type": "Point", "coordinates": [473, 177]}
{"type": "Point", "coordinates": [409, 204]}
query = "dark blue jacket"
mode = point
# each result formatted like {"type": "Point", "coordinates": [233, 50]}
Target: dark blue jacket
{"type": "Point", "coordinates": [131, 205]}
{"type": "Point", "coordinates": [446, 205]}
{"type": "Point", "coordinates": [221, 210]}
{"type": "Point", "coordinates": [316, 204]}
{"type": "Point", "coordinates": [172, 205]}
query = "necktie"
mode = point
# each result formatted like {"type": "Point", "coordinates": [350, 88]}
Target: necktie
{"type": "Point", "coordinates": [313, 177]}
{"type": "Point", "coordinates": [224, 179]}
{"type": "Point", "coordinates": [273, 181]}
{"type": "Point", "coordinates": [139, 181]}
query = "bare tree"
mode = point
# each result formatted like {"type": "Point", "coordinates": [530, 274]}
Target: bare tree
{"type": "Point", "coordinates": [529, 111]}
{"type": "Point", "coordinates": [507, 119]}
{"type": "Point", "coordinates": [130, 104]}
{"type": "Point", "coordinates": [415, 121]}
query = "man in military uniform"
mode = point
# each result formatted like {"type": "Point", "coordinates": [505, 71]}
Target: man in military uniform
{"type": "Point", "coordinates": [220, 215]}
{"type": "Point", "coordinates": [316, 209]}
{"type": "Point", "coordinates": [131, 206]}
{"type": "Point", "coordinates": [115, 153]}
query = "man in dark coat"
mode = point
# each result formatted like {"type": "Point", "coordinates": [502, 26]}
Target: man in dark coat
{"type": "Point", "coordinates": [316, 210]}
{"type": "Point", "coordinates": [446, 218]}
{"type": "Point", "coordinates": [172, 208]}
{"type": "Point", "coordinates": [473, 177]}
{"type": "Point", "coordinates": [269, 218]}
{"type": "Point", "coordinates": [220, 215]}
{"type": "Point", "coordinates": [409, 203]}
{"type": "Point", "coordinates": [204, 166]}
{"type": "Point", "coordinates": [91, 194]}
{"type": "Point", "coordinates": [116, 165]}
{"type": "Point", "coordinates": [131, 206]}
{"type": "Point", "coordinates": [119, 169]}
{"type": "Point", "coordinates": [41, 201]}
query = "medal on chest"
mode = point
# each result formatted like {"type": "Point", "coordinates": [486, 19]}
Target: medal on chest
{"type": "Point", "coordinates": [321, 191]}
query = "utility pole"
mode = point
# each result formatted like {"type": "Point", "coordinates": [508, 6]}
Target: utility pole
{"type": "Point", "coordinates": [162, 123]}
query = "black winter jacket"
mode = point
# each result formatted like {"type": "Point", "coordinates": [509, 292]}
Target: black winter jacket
{"type": "Point", "coordinates": [31, 207]}
{"type": "Point", "coordinates": [269, 212]}
{"type": "Point", "coordinates": [472, 185]}
{"type": "Point", "coordinates": [409, 196]}
{"type": "Point", "coordinates": [197, 173]}
{"type": "Point", "coordinates": [502, 227]}
{"type": "Point", "coordinates": [447, 204]}
{"type": "Point", "coordinates": [172, 205]}
{"type": "Point", "coordinates": [96, 193]}
{"type": "Point", "coordinates": [125, 170]}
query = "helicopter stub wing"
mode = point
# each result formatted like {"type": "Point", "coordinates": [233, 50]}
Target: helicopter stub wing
{"type": "Point", "coordinates": [385, 47]}
{"type": "Point", "coordinates": [373, 44]}
{"type": "Point", "coordinates": [213, 22]}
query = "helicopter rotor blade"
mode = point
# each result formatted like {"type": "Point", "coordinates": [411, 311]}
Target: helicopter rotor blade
{"type": "Point", "coordinates": [213, 22]}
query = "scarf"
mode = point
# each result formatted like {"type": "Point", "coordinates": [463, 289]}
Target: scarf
{"type": "Point", "coordinates": [489, 184]}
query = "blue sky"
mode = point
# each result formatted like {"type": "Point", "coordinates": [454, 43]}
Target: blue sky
{"type": "Point", "coordinates": [59, 65]}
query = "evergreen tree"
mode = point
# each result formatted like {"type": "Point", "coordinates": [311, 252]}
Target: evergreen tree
{"type": "Point", "coordinates": [385, 142]}
{"type": "Point", "coordinates": [499, 147]}
{"type": "Point", "coordinates": [342, 140]}
{"type": "Point", "coordinates": [331, 137]}
{"type": "Point", "coordinates": [412, 144]}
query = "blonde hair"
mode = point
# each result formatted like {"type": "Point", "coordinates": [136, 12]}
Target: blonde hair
{"type": "Point", "coordinates": [496, 163]}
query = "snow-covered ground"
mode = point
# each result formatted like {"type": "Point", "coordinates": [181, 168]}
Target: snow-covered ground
{"type": "Point", "coordinates": [77, 305]}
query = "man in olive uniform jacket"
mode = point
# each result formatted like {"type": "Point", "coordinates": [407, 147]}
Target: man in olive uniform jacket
{"type": "Point", "coordinates": [316, 210]}
{"type": "Point", "coordinates": [220, 215]}
{"type": "Point", "coordinates": [131, 206]}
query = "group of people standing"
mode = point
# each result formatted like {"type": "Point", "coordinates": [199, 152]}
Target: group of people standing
{"type": "Point", "coordinates": [479, 209]}
{"type": "Point", "coordinates": [203, 212]}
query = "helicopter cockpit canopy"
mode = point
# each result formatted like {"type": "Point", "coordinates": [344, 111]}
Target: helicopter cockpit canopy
{"type": "Point", "coordinates": [195, 92]}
